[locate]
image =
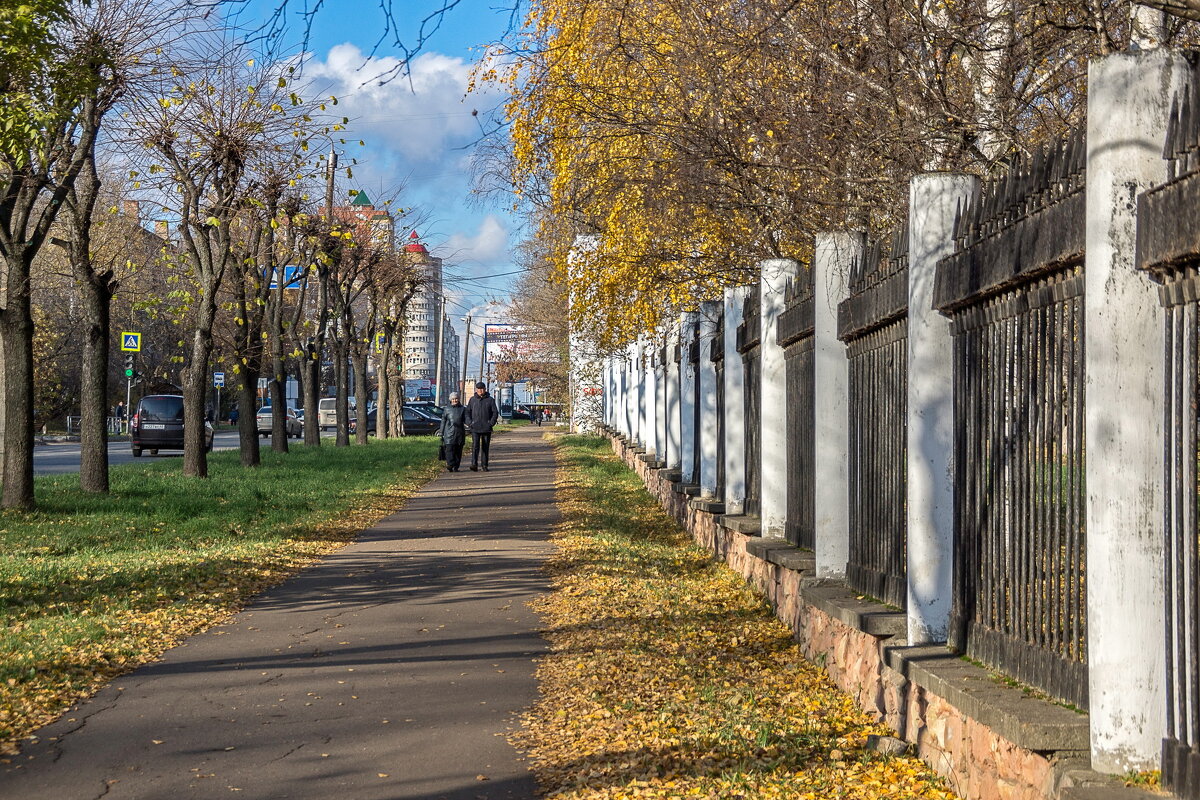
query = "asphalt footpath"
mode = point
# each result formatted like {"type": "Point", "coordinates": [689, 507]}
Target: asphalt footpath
{"type": "Point", "coordinates": [392, 669]}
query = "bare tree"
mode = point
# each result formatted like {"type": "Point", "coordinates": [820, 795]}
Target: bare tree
{"type": "Point", "coordinates": [121, 38]}
{"type": "Point", "coordinates": [396, 282]}
{"type": "Point", "coordinates": [209, 127]}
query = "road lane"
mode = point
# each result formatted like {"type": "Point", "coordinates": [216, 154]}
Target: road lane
{"type": "Point", "coordinates": [56, 458]}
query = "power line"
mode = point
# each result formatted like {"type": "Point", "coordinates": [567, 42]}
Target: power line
{"type": "Point", "coordinates": [484, 277]}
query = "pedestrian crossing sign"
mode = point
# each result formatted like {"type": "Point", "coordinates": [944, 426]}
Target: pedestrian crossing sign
{"type": "Point", "coordinates": [131, 342]}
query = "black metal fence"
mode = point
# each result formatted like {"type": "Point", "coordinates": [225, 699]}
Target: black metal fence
{"type": "Point", "coordinates": [873, 322]}
{"type": "Point", "coordinates": [1014, 292]}
{"type": "Point", "coordinates": [1168, 246]}
{"type": "Point", "coordinates": [748, 340]}
{"type": "Point", "coordinates": [795, 334]}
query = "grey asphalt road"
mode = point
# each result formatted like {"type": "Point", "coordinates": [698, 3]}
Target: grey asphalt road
{"type": "Point", "coordinates": [392, 670]}
{"type": "Point", "coordinates": [60, 457]}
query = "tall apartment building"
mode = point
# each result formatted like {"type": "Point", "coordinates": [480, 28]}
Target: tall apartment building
{"type": "Point", "coordinates": [420, 340]}
{"type": "Point", "coordinates": [424, 315]}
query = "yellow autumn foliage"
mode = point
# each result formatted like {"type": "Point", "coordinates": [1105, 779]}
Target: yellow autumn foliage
{"type": "Point", "coordinates": [688, 141]}
{"type": "Point", "coordinates": [669, 678]}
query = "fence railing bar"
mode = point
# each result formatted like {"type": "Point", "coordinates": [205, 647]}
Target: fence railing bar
{"type": "Point", "coordinates": [1187, 493]}
{"type": "Point", "coordinates": [1176, 449]}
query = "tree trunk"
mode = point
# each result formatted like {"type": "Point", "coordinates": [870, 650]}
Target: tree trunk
{"type": "Point", "coordinates": [397, 394]}
{"type": "Point", "coordinates": [310, 378]}
{"type": "Point", "coordinates": [195, 393]}
{"type": "Point", "coordinates": [363, 393]}
{"type": "Point", "coordinates": [342, 389]}
{"type": "Point", "coordinates": [402, 394]}
{"type": "Point", "coordinates": [93, 402]}
{"type": "Point", "coordinates": [16, 333]}
{"type": "Point", "coordinates": [383, 380]}
{"type": "Point", "coordinates": [279, 434]}
{"type": "Point", "coordinates": [248, 418]}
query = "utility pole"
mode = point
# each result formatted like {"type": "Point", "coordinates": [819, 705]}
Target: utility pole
{"type": "Point", "coordinates": [462, 389]}
{"type": "Point", "coordinates": [329, 180]}
{"type": "Point", "coordinates": [441, 335]}
{"type": "Point", "coordinates": [482, 352]}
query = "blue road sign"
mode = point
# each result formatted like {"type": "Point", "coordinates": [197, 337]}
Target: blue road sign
{"type": "Point", "coordinates": [293, 277]}
{"type": "Point", "coordinates": [219, 380]}
{"type": "Point", "coordinates": [131, 342]}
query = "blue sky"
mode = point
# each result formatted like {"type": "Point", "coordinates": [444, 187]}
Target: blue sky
{"type": "Point", "coordinates": [418, 130]}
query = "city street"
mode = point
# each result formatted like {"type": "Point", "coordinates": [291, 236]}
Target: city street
{"type": "Point", "coordinates": [60, 457]}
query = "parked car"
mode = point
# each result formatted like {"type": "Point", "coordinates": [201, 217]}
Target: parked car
{"type": "Point", "coordinates": [293, 426]}
{"type": "Point", "coordinates": [427, 411]}
{"type": "Point", "coordinates": [427, 407]}
{"type": "Point", "coordinates": [415, 422]}
{"type": "Point", "coordinates": [327, 412]}
{"type": "Point", "coordinates": [157, 424]}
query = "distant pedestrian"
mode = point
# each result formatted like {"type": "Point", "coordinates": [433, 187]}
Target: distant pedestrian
{"type": "Point", "coordinates": [537, 417]}
{"type": "Point", "coordinates": [453, 432]}
{"type": "Point", "coordinates": [481, 417]}
{"type": "Point", "coordinates": [233, 415]}
{"type": "Point", "coordinates": [119, 411]}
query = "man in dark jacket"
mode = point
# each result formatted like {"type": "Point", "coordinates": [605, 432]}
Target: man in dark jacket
{"type": "Point", "coordinates": [481, 418]}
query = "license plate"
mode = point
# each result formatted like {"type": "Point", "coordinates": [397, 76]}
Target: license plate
{"type": "Point", "coordinates": [154, 426]}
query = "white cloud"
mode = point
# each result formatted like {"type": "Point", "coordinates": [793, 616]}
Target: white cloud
{"type": "Point", "coordinates": [487, 246]}
{"type": "Point", "coordinates": [421, 115]}
{"type": "Point", "coordinates": [418, 129]}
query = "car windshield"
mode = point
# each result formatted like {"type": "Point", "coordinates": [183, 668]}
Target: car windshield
{"type": "Point", "coordinates": [161, 407]}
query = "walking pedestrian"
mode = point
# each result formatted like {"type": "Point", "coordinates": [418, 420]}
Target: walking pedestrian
{"type": "Point", "coordinates": [453, 432]}
{"type": "Point", "coordinates": [482, 415]}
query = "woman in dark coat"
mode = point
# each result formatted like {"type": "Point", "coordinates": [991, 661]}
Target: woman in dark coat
{"type": "Point", "coordinates": [453, 432]}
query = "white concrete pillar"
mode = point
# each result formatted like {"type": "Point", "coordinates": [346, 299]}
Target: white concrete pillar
{"type": "Point", "coordinates": [710, 312]}
{"type": "Point", "coordinates": [1129, 99]}
{"type": "Point", "coordinates": [614, 381]}
{"type": "Point", "coordinates": [608, 391]}
{"type": "Point", "coordinates": [933, 202]}
{"type": "Point", "coordinates": [641, 411]}
{"type": "Point", "coordinates": [835, 254]}
{"type": "Point", "coordinates": [773, 278]}
{"type": "Point", "coordinates": [652, 397]}
{"type": "Point", "coordinates": [660, 401]}
{"type": "Point", "coordinates": [635, 403]}
{"type": "Point", "coordinates": [623, 377]}
{"type": "Point", "coordinates": [672, 398]}
{"type": "Point", "coordinates": [735, 404]}
{"type": "Point", "coordinates": [687, 398]}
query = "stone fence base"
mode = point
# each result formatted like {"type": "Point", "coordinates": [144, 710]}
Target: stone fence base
{"type": "Point", "coordinates": [989, 740]}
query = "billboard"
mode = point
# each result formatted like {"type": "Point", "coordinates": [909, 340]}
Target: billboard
{"type": "Point", "coordinates": [518, 345]}
{"type": "Point", "coordinates": [504, 342]}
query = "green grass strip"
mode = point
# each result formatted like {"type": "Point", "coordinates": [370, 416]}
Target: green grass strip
{"type": "Point", "coordinates": [93, 585]}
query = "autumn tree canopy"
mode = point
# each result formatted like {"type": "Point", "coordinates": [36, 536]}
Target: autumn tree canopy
{"type": "Point", "coordinates": [692, 140]}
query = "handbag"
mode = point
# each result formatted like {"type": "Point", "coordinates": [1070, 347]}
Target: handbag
{"type": "Point", "coordinates": [441, 452]}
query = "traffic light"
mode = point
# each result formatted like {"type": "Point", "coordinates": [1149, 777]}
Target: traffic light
{"type": "Point", "coordinates": [129, 365]}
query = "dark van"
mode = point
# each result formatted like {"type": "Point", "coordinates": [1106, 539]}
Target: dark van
{"type": "Point", "coordinates": [157, 424]}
